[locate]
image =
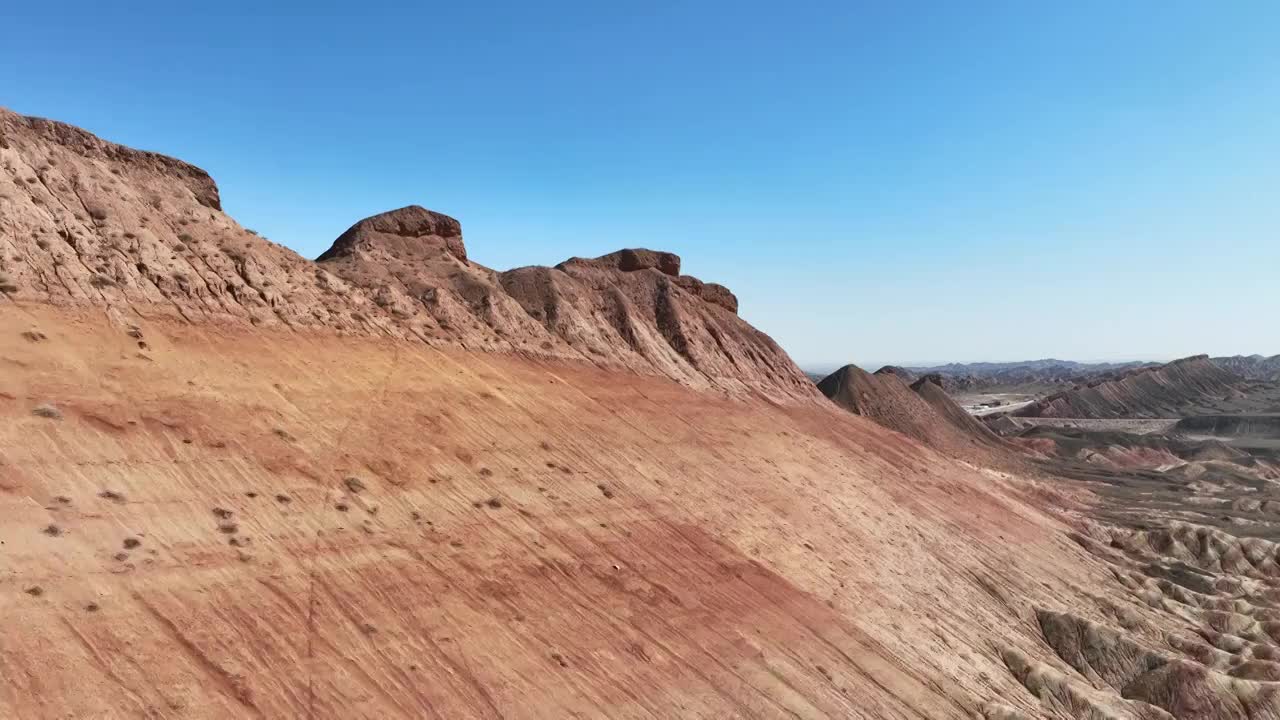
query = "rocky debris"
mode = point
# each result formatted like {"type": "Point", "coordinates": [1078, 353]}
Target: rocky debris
{"type": "Point", "coordinates": [92, 223]}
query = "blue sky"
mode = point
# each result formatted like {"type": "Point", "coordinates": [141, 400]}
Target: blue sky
{"type": "Point", "coordinates": [878, 182]}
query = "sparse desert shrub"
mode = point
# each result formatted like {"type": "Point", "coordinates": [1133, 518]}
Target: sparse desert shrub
{"type": "Point", "coordinates": [101, 281]}
{"type": "Point", "coordinates": [354, 484]}
{"type": "Point", "coordinates": [98, 213]}
{"type": "Point", "coordinates": [131, 543]}
{"type": "Point", "coordinates": [341, 507]}
{"type": "Point", "coordinates": [34, 336]}
{"type": "Point", "coordinates": [92, 607]}
{"type": "Point", "coordinates": [184, 237]}
{"type": "Point", "coordinates": [494, 503]}
{"type": "Point", "coordinates": [42, 244]}
{"type": "Point", "coordinates": [251, 232]}
{"type": "Point", "coordinates": [52, 530]}
{"type": "Point", "coordinates": [34, 591]}
{"type": "Point", "coordinates": [222, 513]}
{"type": "Point", "coordinates": [45, 410]}
{"type": "Point", "coordinates": [605, 490]}
{"type": "Point", "coordinates": [111, 495]}
{"type": "Point", "coordinates": [228, 528]}
{"type": "Point", "coordinates": [7, 286]}
{"type": "Point", "coordinates": [283, 499]}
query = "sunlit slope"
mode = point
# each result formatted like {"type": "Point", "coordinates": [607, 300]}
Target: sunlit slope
{"type": "Point", "coordinates": [231, 522]}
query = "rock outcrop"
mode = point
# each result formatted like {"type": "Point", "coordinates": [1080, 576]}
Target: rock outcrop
{"type": "Point", "coordinates": [89, 222]}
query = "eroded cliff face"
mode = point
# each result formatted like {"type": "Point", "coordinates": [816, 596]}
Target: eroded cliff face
{"type": "Point", "coordinates": [90, 223]}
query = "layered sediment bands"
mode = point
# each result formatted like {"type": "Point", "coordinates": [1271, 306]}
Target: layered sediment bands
{"type": "Point", "coordinates": [1168, 390]}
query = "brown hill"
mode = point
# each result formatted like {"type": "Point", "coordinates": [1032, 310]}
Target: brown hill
{"type": "Point", "coordinates": [1182, 387]}
{"type": "Point", "coordinates": [235, 483]}
{"type": "Point", "coordinates": [930, 389]}
{"type": "Point", "coordinates": [922, 411]}
{"type": "Point", "coordinates": [1252, 367]}
{"type": "Point", "coordinates": [92, 223]}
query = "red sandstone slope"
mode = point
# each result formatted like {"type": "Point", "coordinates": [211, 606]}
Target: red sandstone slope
{"type": "Point", "coordinates": [235, 483]}
{"type": "Point", "coordinates": [91, 223]}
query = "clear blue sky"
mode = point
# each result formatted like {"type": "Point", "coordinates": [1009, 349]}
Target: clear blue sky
{"type": "Point", "coordinates": [878, 182]}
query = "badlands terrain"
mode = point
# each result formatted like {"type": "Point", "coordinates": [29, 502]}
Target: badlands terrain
{"type": "Point", "coordinates": [391, 482]}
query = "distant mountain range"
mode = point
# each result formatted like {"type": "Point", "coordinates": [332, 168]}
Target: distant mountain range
{"type": "Point", "coordinates": [980, 376]}
{"type": "Point", "coordinates": [1194, 385]}
{"type": "Point", "coordinates": [1253, 367]}
{"type": "Point", "coordinates": [970, 377]}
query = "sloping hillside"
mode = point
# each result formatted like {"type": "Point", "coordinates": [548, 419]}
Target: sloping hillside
{"type": "Point", "coordinates": [235, 483]}
{"type": "Point", "coordinates": [240, 522]}
{"type": "Point", "coordinates": [921, 411]}
{"type": "Point", "coordinates": [1252, 367]}
{"type": "Point", "coordinates": [1182, 387]}
{"type": "Point", "coordinates": [90, 223]}
{"type": "Point", "coordinates": [930, 389]}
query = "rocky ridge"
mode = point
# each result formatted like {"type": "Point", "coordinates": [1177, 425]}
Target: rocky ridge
{"type": "Point", "coordinates": [1180, 387]}
{"type": "Point", "coordinates": [88, 222]}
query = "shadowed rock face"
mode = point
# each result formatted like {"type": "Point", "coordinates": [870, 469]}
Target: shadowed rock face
{"type": "Point", "coordinates": [89, 222]}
